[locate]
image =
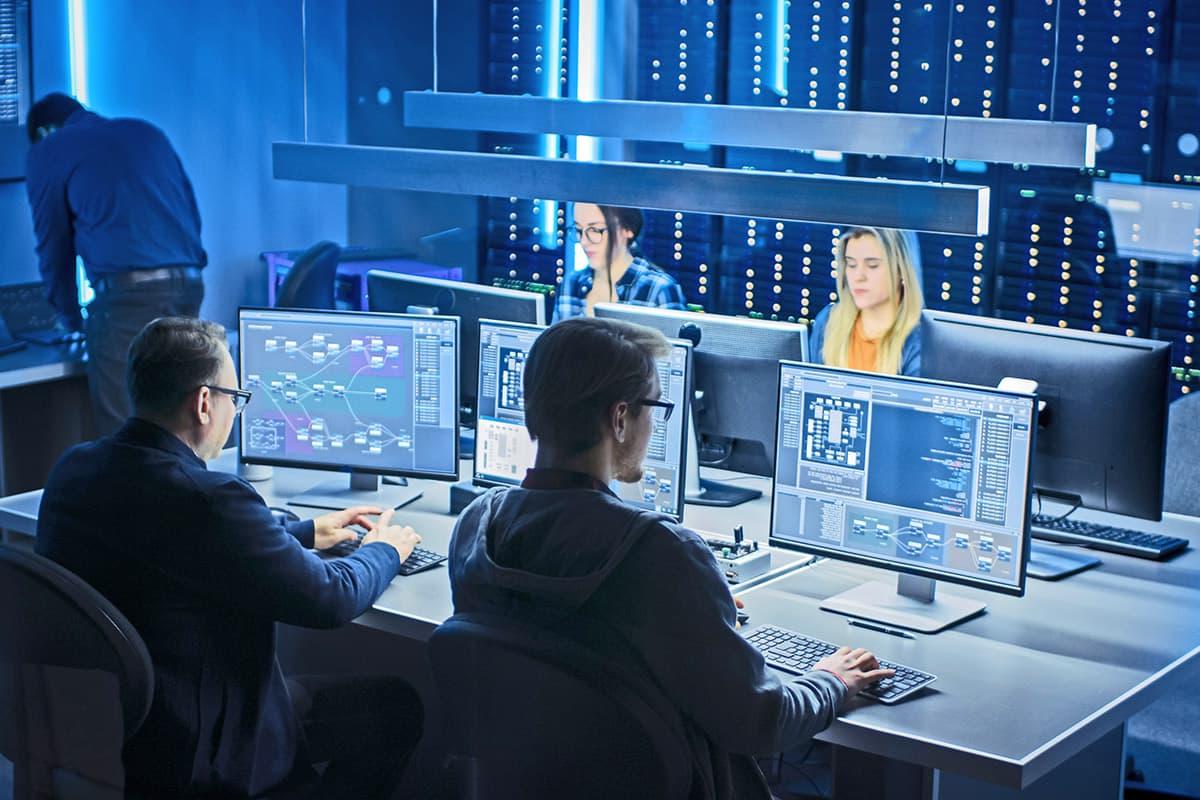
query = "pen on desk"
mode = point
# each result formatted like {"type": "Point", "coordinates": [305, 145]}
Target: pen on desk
{"type": "Point", "coordinates": [871, 627]}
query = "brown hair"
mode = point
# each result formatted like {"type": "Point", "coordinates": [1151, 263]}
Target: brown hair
{"type": "Point", "coordinates": [616, 218]}
{"type": "Point", "coordinates": [170, 357]}
{"type": "Point", "coordinates": [578, 369]}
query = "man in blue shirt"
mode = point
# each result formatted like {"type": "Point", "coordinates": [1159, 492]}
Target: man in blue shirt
{"type": "Point", "coordinates": [196, 561]}
{"type": "Point", "coordinates": [114, 193]}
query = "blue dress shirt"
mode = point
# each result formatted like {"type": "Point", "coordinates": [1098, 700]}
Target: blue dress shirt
{"type": "Point", "coordinates": [113, 192]}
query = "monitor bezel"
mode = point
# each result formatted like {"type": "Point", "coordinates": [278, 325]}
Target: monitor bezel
{"type": "Point", "coordinates": [347, 469]}
{"type": "Point", "coordinates": [476, 479]}
{"type": "Point", "coordinates": [681, 478]}
{"type": "Point", "coordinates": [537, 300]}
{"type": "Point", "coordinates": [840, 555]}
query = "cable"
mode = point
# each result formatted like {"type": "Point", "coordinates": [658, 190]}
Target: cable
{"type": "Point", "coordinates": [1061, 517]}
{"type": "Point", "coordinates": [946, 94]}
{"type": "Point", "coordinates": [435, 43]}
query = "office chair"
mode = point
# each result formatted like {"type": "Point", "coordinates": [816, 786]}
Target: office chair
{"type": "Point", "coordinates": [75, 681]}
{"type": "Point", "coordinates": [1180, 494]}
{"type": "Point", "coordinates": [534, 714]}
{"type": "Point", "coordinates": [310, 281]}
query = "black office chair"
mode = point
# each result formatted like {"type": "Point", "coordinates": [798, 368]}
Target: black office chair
{"type": "Point", "coordinates": [310, 281]}
{"type": "Point", "coordinates": [75, 681]}
{"type": "Point", "coordinates": [1181, 494]}
{"type": "Point", "coordinates": [534, 714]}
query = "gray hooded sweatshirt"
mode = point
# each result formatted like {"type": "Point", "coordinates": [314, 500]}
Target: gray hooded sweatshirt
{"type": "Point", "coordinates": [563, 553]}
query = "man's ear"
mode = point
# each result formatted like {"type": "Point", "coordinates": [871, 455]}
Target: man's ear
{"type": "Point", "coordinates": [202, 405]}
{"type": "Point", "coordinates": [620, 420]}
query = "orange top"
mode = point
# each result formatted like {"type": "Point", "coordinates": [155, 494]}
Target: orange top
{"type": "Point", "coordinates": [863, 352]}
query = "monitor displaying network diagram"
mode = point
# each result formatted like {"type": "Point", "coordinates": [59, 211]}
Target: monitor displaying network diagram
{"type": "Point", "coordinates": [503, 449]}
{"type": "Point", "coordinates": [375, 393]}
{"type": "Point", "coordinates": [913, 475]}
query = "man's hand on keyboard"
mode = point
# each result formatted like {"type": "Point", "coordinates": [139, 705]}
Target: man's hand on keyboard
{"type": "Point", "coordinates": [858, 668]}
{"type": "Point", "coordinates": [401, 537]}
{"type": "Point", "coordinates": [331, 529]}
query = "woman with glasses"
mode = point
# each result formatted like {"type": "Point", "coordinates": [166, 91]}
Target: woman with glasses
{"type": "Point", "coordinates": [874, 325]}
{"type": "Point", "coordinates": [613, 274]}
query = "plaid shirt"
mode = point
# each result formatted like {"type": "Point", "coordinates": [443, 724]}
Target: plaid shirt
{"type": "Point", "coordinates": [643, 284]}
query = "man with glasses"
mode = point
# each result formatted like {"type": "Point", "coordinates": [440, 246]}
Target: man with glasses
{"type": "Point", "coordinates": [203, 570]}
{"type": "Point", "coordinates": [563, 549]}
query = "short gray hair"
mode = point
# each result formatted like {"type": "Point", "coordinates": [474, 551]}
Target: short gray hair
{"type": "Point", "coordinates": [169, 358]}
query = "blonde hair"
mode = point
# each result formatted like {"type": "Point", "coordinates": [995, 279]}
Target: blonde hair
{"type": "Point", "coordinates": [905, 295]}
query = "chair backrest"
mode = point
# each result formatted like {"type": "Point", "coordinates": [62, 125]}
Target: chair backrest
{"type": "Point", "coordinates": [310, 281]}
{"type": "Point", "coordinates": [1181, 494]}
{"type": "Point", "coordinates": [76, 679]}
{"type": "Point", "coordinates": [535, 714]}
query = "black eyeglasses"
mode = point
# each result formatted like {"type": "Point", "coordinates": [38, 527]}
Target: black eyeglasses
{"type": "Point", "coordinates": [240, 396]}
{"type": "Point", "coordinates": [668, 408]}
{"type": "Point", "coordinates": [593, 233]}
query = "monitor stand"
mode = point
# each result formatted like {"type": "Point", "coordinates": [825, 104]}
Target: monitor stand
{"type": "Point", "coordinates": [701, 492]}
{"type": "Point", "coordinates": [364, 489]}
{"type": "Point", "coordinates": [909, 604]}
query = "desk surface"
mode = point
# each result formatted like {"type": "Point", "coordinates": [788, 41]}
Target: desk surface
{"type": "Point", "coordinates": [1021, 688]}
{"type": "Point", "coordinates": [35, 363]}
{"type": "Point", "coordinates": [1029, 683]}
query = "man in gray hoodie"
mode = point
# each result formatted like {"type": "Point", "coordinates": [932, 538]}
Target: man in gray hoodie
{"type": "Point", "coordinates": [565, 551]}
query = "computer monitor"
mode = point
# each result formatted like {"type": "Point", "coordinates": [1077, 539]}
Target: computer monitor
{"type": "Point", "coordinates": [1102, 435]}
{"type": "Point", "coordinates": [733, 407]}
{"type": "Point", "coordinates": [368, 394]}
{"type": "Point", "coordinates": [503, 449]}
{"type": "Point", "coordinates": [928, 479]}
{"type": "Point", "coordinates": [470, 302]}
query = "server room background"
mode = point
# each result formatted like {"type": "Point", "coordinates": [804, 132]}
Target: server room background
{"type": "Point", "coordinates": [1113, 248]}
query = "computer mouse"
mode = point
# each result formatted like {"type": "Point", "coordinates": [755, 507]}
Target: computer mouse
{"type": "Point", "coordinates": [284, 515]}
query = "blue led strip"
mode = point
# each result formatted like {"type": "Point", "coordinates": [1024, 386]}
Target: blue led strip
{"type": "Point", "coordinates": [77, 54]}
{"type": "Point", "coordinates": [779, 35]}
{"type": "Point", "coordinates": [550, 143]}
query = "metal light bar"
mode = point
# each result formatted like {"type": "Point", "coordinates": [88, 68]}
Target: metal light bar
{"type": "Point", "coordinates": [1000, 141]}
{"type": "Point", "coordinates": [934, 207]}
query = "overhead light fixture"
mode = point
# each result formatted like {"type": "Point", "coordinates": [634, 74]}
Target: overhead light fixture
{"type": "Point", "coordinates": [998, 141]}
{"type": "Point", "coordinates": [934, 207]}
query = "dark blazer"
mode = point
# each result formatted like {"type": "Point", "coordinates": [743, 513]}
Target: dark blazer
{"type": "Point", "coordinates": [201, 568]}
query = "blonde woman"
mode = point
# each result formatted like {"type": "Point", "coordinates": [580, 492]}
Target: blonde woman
{"type": "Point", "coordinates": [874, 326]}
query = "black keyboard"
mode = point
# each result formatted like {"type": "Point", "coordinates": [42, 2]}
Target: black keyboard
{"type": "Point", "coordinates": [27, 312]}
{"type": "Point", "coordinates": [796, 653]}
{"type": "Point", "coordinates": [420, 558]}
{"type": "Point", "coordinates": [1103, 537]}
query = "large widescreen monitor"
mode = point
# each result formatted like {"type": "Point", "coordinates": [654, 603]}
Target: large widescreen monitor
{"type": "Point", "coordinates": [928, 479]}
{"type": "Point", "coordinates": [368, 394]}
